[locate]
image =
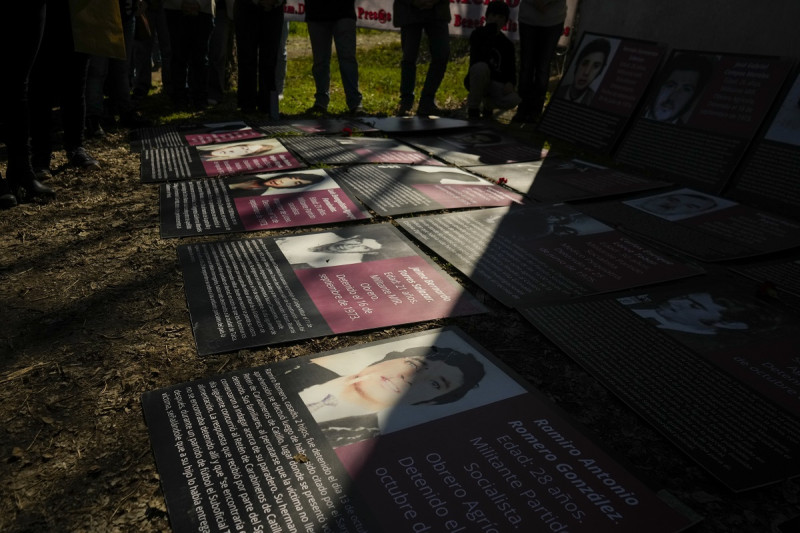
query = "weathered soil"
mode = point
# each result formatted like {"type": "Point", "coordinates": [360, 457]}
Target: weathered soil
{"type": "Point", "coordinates": [93, 314]}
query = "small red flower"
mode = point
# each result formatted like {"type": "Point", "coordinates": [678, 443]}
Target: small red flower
{"type": "Point", "coordinates": [347, 131]}
{"type": "Point", "coordinates": [502, 181]}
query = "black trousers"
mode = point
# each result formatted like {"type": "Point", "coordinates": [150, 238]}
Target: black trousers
{"type": "Point", "coordinates": [258, 40]}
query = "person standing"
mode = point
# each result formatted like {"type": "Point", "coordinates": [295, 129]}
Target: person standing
{"type": "Point", "coordinates": [414, 17]}
{"type": "Point", "coordinates": [112, 76]}
{"type": "Point", "coordinates": [258, 25]}
{"type": "Point", "coordinates": [541, 24]}
{"type": "Point", "coordinates": [333, 20]}
{"type": "Point", "coordinates": [59, 78]}
{"type": "Point", "coordinates": [189, 23]}
{"type": "Point", "coordinates": [21, 30]}
{"type": "Point", "coordinates": [219, 50]}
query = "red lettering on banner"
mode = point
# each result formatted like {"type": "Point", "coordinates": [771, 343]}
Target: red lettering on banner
{"type": "Point", "coordinates": [381, 16]}
{"type": "Point", "coordinates": [301, 9]}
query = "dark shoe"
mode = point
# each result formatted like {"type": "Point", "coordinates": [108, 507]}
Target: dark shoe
{"type": "Point", "coordinates": [133, 120]}
{"type": "Point", "coordinates": [473, 113]}
{"type": "Point", "coordinates": [79, 158]}
{"type": "Point", "coordinates": [429, 109]}
{"type": "Point", "coordinates": [357, 111]}
{"type": "Point", "coordinates": [28, 188]}
{"type": "Point", "coordinates": [404, 109]}
{"type": "Point", "coordinates": [94, 129]}
{"type": "Point", "coordinates": [316, 109]}
{"type": "Point", "coordinates": [7, 198]}
{"type": "Point", "coordinates": [42, 173]}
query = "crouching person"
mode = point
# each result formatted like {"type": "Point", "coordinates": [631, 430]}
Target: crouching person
{"type": "Point", "coordinates": [492, 65]}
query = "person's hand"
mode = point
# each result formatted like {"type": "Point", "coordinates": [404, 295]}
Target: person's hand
{"type": "Point", "coordinates": [190, 7]}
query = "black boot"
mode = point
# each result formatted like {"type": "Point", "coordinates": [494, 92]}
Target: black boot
{"type": "Point", "coordinates": [7, 199]}
{"type": "Point", "coordinates": [28, 187]}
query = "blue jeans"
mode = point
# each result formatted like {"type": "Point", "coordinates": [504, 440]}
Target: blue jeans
{"type": "Point", "coordinates": [439, 43]}
{"type": "Point", "coordinates": [537, 46]}
{"type": "Point", "coordinates": [343, 33]}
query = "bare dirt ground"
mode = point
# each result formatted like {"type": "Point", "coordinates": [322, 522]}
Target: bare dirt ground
{"type": "Point", "coordinates": [93, 314]}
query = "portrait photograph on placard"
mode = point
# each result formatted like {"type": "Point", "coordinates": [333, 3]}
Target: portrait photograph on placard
{"type": "Point", "coordinates": [256, 292]}
{"type": "Point", "coordinates": [411, 433]}
{"type": "Point", "coordinates": [401, 189]}
{"type": "Point", "coordinates": [699, 100]}
{"type": "Point", "coordinates": [700, 225]}
{"type": "Point", "coordinates": [600, 90]}
{"type": "Point", "coordinates": [709, 343]}
{"type": "Point", "coordinates": [175, 163]}
{"type": "Point", "coordinates": [306, 197]}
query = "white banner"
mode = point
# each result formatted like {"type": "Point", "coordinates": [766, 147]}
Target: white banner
{"type": "Point", "coordinates": [467, 15]}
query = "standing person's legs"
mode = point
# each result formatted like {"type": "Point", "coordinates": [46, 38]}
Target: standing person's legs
{"type": "Point", "coordinates": [344, 35]}
{"type": "Point", "coordinates": [320, 34]}
{"type": "Point", "coordinates": [200, 28]}
{"type": "Point", "coordinates": [410, 38]}
{"type": "Point", "coordinates": [439, 43]}
{"type": "Point", "coordinates": [28, 22]}
{"type": "Point", "coordinates": [537, 48]}
{"type": "Point", "coordinates": [283, 61]}
{"type": "Point", "coordinates": [164, 48]}
{"type": "Point", "coordinates": [180, 46]}
{"type": "Point", "coordinates": [218, 54]}
{"type": "Point", "coordinates": [247, 30]}
{"type": "Point", "coordinates": [142, 62]}
{"type": "Point", "coordinates": [73, 111]}
{"type": "Point", "coordinates": [95, 82]}
{"type": "Point", "coordinates": [268, 49]}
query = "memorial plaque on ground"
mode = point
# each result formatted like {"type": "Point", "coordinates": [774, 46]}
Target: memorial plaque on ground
{"type": "Point", "coordinates": [244, 157]}
{"type": "Point", "coordinates": [401, 125]}
{"type": "Point", "coordinates": [770, 176]}
{"type": "Point", "coordinates": [532, 254]}
{"type": "Point", "coordinates": [342, 442]}
{"type": "Point", "coordinates": [477, 147]}
{"type": "Point", "coordinates": [192, 135]}
{"type": "Point", "coordinates": [254, 202]}
{"type": "Point", "coordinates": [317, 126]}
{"type": "Point", "coordinates": [781, 275]}
{"type": "Point", "coordinates": [554, 180]}
{"type": "Point", "coordinates": [400, 189]}
{"type": "Point", "coordinates": [706, 362]}
{"type": "Point", "coordinates": [700, 225]}
{"type": "Point", "coordinates": [700, 116]}
{"type": "Point", "coordinates": [255, 292]}
{"type": "Point", "coordinates": [600, 91]}
{"type": "Point", "coordinates": [344, 150]}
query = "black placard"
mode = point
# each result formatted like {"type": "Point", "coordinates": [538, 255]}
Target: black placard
{"type": "Point", "coordinates": [601, 90]}
{"type": "Point", "coordinates": [704, 362]}
{"type": "Point", "coordinates": [255, 292]}
{"type": "Point", "coordinates": [701, 114]}
{"type": "Point", "coordinates": [700, 225]}
{"type": "Point", "coordinates": [254, 202]}
{"type": "Point", "coordinates": [273, 449]}
{"type": "Point", "coordinates": [535, 254]}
